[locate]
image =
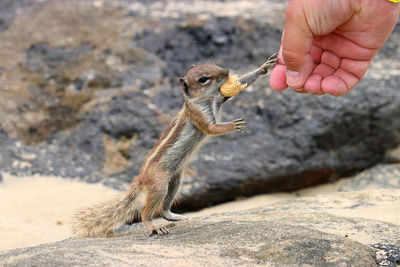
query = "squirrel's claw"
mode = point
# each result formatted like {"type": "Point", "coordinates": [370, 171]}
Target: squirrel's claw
{"type": "Point", "coordinates": [159, 231]}
{"type": "Point", "coordinates": [240, 125]}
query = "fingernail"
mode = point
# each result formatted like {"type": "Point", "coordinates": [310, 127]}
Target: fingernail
{"type": "Point", "coordinates": [292, 77]}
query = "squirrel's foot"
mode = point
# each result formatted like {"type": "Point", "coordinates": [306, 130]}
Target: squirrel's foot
{"type": "Point", "coordinates": [169, 216]}
{"type": "Point", "coordinates": [159, 231]}
{"type": "Point", "coordinates": [240, 125]}
{"type": "Point", "coordinates": [272, 60]}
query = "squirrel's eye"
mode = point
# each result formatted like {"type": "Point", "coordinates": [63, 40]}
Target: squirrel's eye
{"type": "Point", "coordinates": [203, 79]}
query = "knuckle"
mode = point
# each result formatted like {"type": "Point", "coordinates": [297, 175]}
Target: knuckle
{"type": "Point", "coordinates": [291, 57]}
{"type": "Point", "coordinates": [292, 11]}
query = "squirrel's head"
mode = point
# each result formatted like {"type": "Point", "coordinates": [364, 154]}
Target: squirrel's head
{"type": "Point", "coordinates": [204, 80]}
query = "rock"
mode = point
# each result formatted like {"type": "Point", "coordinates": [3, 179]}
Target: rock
{"type": "Point", "coordinates": [379, 176]}
{"type": "Point", "coordinates": [221, 39]}
{"type": "Point", "coordinates": [392, 156]}
{"type": "Point", "coordinates": [7, 12]}
{"type": "Point", "coordinates": [42, 57]}
{"type": "Point", "coordinates": [387, 255]}
{"type": "Point", "coordinates": [87, 96]}
{"type": "Point", "coordinates": [327, 230]}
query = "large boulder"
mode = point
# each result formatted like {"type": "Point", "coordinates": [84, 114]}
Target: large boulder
{"type": "Point", "coordinates": [87, 87]}
{"type": "Point", "coordinates": [338, 229]}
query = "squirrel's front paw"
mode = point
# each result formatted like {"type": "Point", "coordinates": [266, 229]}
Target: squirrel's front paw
{"type": "Point", "coordinates": [272, 60]}
{"type": "Point", "coordinates": [240, 125]}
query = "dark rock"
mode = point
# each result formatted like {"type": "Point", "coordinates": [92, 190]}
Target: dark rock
{"type": "Point", "coordinates": [296, 141]}
{"type": "Point", "coordinates": [387, 255]}
{"type": "Point", "coordinates": [226, 41]}
{"type": "Point", "coordinates": [41, 56]}
{"type": "Point", "coordinates": [91, 103]}
{"type": "Point", "coordinates": [7, 12]}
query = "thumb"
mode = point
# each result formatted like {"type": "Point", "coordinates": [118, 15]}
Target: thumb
{"type": "Point", "coordinates": [296, 46]}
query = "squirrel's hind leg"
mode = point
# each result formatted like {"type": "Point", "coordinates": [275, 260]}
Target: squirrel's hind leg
{"type": "Point", "coordinates": [173, 187]}
{"type": "Point", "coordinates": [153, 203]}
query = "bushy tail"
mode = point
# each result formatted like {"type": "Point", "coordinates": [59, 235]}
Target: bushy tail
{"type": "Point", "coordinates": [101, 220]}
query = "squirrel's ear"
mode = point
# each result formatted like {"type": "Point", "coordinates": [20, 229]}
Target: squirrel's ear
{"type": "Point", "coordinates": [185, 86]}
{"type": "Point", "coordinates": [192, 66]}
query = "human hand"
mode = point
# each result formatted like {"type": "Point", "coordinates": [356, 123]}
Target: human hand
{"type": "Point", "coordinates": [328, 45]}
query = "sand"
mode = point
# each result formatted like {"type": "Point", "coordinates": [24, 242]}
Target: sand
{"type": "Point", "coordinates": [37, 209]}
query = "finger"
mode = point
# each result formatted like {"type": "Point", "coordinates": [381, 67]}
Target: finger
{"type": "Point", "coordinates": [296, 46]}
{"type": "Point", "coordinates": [345, 48]}
{"type": "Point", "coordinates": [329, 63]}
{"type": "Point", "coordinates": [334, 85]}
{"type": "Point", "coordinates": [300, 91]}
{"type": "Point", "coordinates": [319, 93]}
{"type": "Point", "coordinates": [316, 53]}
{"type": "Point", "coordinates": [324, 70]}
{"type": "Point", "coordinates": [345, 78]}
{"type": "Point", "coordinates": [330, 59]}
{"type": "Point", "coordinates": [313, 84]}
{"type": "Point", "coordinates": [339, 83]}
{"type": "Point", "coordinates": [277, 79]}
{"type": "Point", "coordinates": [356, 67]}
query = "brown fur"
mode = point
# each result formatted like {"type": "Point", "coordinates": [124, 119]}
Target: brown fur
{"type": "Point", "coordinates": [180, 124]}
{"type": "Point", "coordinates": [101, 219]}
{"type": "Point", "coordinates": [201, 122]}
{"type": "Point", "coordinates": [154, 189]}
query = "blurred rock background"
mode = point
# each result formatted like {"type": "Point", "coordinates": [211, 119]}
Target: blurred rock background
{"type": "Point", "coordinates": [87, 87]}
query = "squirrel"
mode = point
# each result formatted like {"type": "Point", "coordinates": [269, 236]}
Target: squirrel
{"type": "Point", "coordinates": [153, 191]}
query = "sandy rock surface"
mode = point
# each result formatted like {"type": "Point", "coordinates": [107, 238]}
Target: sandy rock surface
{"type": "Point", "coordinates": [337, 229]}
